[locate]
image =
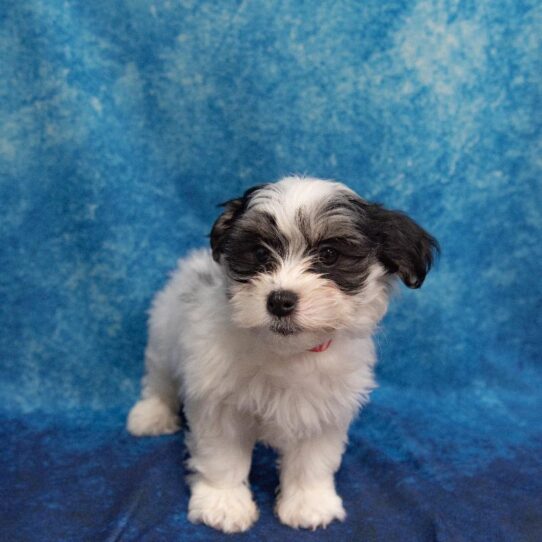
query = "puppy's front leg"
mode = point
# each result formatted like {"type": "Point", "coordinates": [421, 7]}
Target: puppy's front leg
{"type": "Point", "coordinates": [307, 495]}
{"type": "Point", "coordinates": [220, 443]}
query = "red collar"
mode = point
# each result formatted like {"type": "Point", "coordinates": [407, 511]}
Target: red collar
{"type": "Point", "coordinates": [321, 347]}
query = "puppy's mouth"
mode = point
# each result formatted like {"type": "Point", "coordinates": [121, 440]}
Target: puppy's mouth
{"type": "Point", "coordinates": [284, 327]}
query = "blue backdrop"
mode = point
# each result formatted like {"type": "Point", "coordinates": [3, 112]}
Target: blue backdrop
{"type": "Point", "coordinates": [123, 123]}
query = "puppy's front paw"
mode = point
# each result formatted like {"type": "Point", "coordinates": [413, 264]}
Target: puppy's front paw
{"type": "Point", "coordinates": [309, 508]}
{"type": "Point", "coordinates": [152, 416]}
{"type": "Point", "coordinates": [230, 510]}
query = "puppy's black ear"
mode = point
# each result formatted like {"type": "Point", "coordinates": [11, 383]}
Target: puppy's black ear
{"type": "Point", "coordinates": [403, 247]}
{"type": "Point", "coordinates": [234, 208]}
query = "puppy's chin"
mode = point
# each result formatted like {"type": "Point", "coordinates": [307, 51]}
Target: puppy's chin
{"type": "Point", "coordinates": [288, 345]}
{"type": "Point", "coordinates": [285, 327]}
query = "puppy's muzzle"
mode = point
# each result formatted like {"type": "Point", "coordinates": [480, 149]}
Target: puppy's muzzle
{"type": "Point", "coordinates": [282, 302]}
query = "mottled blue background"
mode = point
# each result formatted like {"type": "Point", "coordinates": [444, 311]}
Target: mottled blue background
{"type": "Point", "coordinates": [123, 123]}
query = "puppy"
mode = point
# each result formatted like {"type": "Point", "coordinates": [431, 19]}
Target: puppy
{"type": "Point", "coordinates": [267, 337]}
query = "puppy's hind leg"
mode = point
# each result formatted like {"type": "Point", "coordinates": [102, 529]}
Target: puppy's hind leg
{"type": "Point", "coordinates": [156, 413]}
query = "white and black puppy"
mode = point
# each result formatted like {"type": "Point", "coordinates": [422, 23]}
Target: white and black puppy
{"type": "Point", "coordinates": [267, 337]}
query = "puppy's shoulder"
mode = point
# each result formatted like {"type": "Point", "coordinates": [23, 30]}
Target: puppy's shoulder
{"type": "Point", "coordinates": [198, 269]}
{"type": "Point", "coordinates": [197, 280]}
{"type": "Point", "coordinates": [197, 275]}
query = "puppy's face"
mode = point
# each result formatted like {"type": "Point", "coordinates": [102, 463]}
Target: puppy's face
{"type": "Point", "coordinates": [307, 257]}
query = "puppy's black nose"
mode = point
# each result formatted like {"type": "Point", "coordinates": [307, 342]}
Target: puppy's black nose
{"type": "Point", "coordinates": [281, 302]}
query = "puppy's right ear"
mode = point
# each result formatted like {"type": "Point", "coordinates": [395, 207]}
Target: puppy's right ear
{"type": "Point", "coordinates": [233, 208]}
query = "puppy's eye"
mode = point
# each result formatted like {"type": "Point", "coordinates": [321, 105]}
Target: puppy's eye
{"type": "Point", "coordinates": [327, 255]}
{"type": "Point", "coordinates": [262, 255]}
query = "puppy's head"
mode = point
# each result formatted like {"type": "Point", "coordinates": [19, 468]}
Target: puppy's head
{"type": "Point", "coordinates": [307, 257]}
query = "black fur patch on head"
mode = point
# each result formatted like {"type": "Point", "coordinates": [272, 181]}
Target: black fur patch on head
{"type": "Point", "coordinates": [334, 226]}
{"type": "Point", "coordinates": [254, 245]}
{"type": "Point", "coordinates": [234, 209]}
{"type": "Point", "coordinates": [350, 270]}
{"type": "Point", "coordinates": [249, 240]}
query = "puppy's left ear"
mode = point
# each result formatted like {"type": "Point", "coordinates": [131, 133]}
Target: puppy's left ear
{"type": "Point", "coordinates": [403, 246]}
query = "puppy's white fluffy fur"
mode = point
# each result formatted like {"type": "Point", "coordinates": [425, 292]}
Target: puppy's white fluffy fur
{"type": "Point", "coordinates": [210, 343]}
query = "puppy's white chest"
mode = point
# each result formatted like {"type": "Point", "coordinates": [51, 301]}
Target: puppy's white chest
{"type": "Point", "coordinates": [300, 402]}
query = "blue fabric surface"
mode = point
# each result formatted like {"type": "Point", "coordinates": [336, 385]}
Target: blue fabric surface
{"type": "Point", "coordinates": [122, 124]}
